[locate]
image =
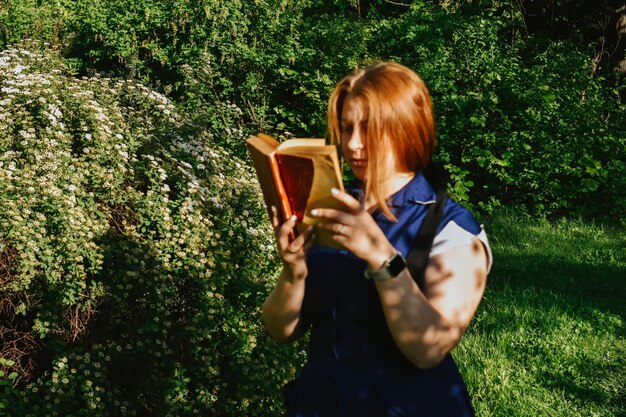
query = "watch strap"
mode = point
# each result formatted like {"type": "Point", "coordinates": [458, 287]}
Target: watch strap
{"type": "Point", "coordinates": [391, 268]}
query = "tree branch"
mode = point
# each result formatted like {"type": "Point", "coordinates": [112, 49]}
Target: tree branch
{"type": "Point", "coordinates": [397, 4]}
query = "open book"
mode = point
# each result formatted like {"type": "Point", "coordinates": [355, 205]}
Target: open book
{"type": "Point", "coordinates": [296, 177]}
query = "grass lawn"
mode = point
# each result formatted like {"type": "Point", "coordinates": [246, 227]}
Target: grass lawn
{"type": "Point", "coordinates": [548, 339]}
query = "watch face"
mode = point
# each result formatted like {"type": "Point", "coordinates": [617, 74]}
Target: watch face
{"type": "Point", "coordinates": [396, 265]}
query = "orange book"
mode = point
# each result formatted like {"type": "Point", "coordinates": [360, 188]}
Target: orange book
{"type": "Point", "coordinates": [296, 177]}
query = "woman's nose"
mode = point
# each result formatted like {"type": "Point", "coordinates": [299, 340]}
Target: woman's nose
{"type": "Point", "coordinates": [355, 142]}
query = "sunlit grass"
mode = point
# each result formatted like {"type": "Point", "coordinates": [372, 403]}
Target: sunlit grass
{"type": "Point", "coordinates": [548, 339]}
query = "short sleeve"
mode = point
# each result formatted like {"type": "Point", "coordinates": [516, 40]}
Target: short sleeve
{"type": "Point", "coordinates": [454, 235]}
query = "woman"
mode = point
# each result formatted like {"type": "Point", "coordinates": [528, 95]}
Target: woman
{"type": "Point", "coordinates": [380, 343]}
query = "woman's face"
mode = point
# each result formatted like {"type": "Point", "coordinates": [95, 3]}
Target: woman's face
{"type": "Point", "coordinates": [354, 135]}
{"type": "Point", "coordinates": [354, 139]}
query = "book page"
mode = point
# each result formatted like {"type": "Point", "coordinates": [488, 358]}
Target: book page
{"type": "Point", "coordinates": [325, 178]}
{"type": "Point", "coordinates": [305, 144]}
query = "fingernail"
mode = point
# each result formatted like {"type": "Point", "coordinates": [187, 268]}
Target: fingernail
{"type": "Point", "coordinates": [314, 212]}
{"type": "Point", "coordinates": [294, 218]}
{"type": "Point", "coordinates": [334, 191]}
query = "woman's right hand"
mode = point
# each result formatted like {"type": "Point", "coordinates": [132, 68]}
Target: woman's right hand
{"type": "Point", "coordinates": [293, 254]}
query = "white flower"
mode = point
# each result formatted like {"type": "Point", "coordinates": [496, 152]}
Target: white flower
{"type": "Point", "coordinates": [18, 69]}
{"type": "Point", "coordinates": [9, 90]}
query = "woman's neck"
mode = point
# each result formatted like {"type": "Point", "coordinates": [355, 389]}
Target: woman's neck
{"type": "Point", "coordinates": [391, 186]}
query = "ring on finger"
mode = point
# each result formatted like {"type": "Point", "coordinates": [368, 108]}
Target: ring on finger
{"type": "Point", "coordinates": [341, 227]}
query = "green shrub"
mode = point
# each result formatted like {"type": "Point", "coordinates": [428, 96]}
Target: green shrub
{"type": "Point", "coordinates": [134, 257]}
{"type": "Point", "coordinates": [520, 120]}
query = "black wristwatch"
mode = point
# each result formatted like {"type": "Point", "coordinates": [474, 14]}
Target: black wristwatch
{"type": "Point", "coordinates": [391, 268]}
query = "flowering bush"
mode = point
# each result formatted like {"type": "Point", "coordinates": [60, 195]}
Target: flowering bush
{"type": "Point", "coordinates": [133, 257]}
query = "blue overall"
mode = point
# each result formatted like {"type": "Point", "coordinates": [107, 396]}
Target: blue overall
{"type": "Point", "coordinates": [354, 367]}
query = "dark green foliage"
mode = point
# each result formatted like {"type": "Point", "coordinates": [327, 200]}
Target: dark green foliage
{"type": "Point", "coordinates": [513, 131]}
{"type": "Point", "coordinates": [521, 120]}
{"type": "Point", "coordinates": [600, 23]}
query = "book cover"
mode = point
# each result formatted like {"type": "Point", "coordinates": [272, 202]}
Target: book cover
{"type": "Point", "coordinates": [262, 150]}
{"type": "Point", "coordinates": [296, 177]}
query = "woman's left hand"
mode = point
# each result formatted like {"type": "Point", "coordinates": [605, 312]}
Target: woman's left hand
{"type": "Point", "coordinates": [356, 230]}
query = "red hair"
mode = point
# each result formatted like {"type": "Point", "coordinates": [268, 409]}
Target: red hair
{"type": "Point", "coordinates": [400, 120]}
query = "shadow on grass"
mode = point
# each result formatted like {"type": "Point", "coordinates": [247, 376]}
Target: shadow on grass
{"type": "Point", "coordinates": [576, 260]}
{"type": "Point", "coordinates": [562, 351]}
{"type": "Point", "coordinates": [587, 392]}
{"type": "Point", "coordinates": [602, 286]}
